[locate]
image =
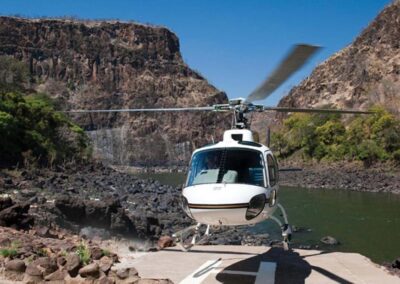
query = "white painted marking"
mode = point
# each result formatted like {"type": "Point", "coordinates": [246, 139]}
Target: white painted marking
{"type": "Point", "coordinates": [236, 272]}
{"type": "Point", "coordinates": [266, 273]}
{"type": "Point", "coordinates": [202, 273]}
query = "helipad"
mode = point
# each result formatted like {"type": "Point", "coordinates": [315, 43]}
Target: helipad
{"type": "Point", "coordinates": [246, 264]}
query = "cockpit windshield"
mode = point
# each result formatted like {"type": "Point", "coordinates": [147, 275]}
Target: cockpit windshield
{"type": "Point", "coordinates": [227, 165]}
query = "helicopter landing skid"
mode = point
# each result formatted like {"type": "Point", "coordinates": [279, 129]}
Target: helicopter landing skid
{"type": "Point", "coordinates": [285, 227]}
{"type": "Point", "coordinates": [182, 236]}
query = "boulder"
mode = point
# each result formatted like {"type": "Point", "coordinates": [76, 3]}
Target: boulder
{"type": "Point", "coordinates": [73, 264]}
{"type": "Point", "coordinates": [77, 280]}
{"type": "Point", "coordinates": [33, 270]}
{"type": "Point", "coordinates": [124, 273]}
{"type": "Point", "coordinates": [328, 240]}
{"type": "Point", "coordinates": [105, 263]}
{"type": "Point", "coordinates": [16, 216]}
{"type": "Point", "coordinates": [99, 212]}
{"type": "Point", "coordinates": [5, 202]}
{"type": "Point", "coordinates": [105, 280]}
{"type": "Point", "coordinates": [46, 265]}
{"type": "Point", "coordinates": [114, 257]}
{"type": "Point", "coordinates": [5, 242]}
{"type": "Point", "coordinates": [25, 249]}
{"type": "Point", "coordinates": [96, 253]}
{"type": "Point", "coordinates": [396, 263]}
{"type": "Point", "coordinates": [61, 261]}
{"type": "Point", "coordinates": [164, 242]}
{"type": "Point", "coordinates": [31, 279]}
{"type": "Point", "coordinates": [107, 213]}
{"type": "Point", "coordinates": [121, 223]}
{"type": "Point", "coordinates": [16, 265]}
{"type": "Point", "coordinates": [90, 270]}
{"type": "Point", "coordinates": [72, 207]}
{"type": "Point", "coordinates": [58, 275]}
{"type": "Point", "coordinates": [45, 232]}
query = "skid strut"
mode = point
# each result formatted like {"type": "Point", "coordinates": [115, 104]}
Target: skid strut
{"type": "Point", "coordinates": [182, 236]}
{"type": "Point", "coordinates": [285, 227]}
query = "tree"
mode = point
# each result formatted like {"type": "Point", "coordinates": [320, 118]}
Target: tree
{"type": "Point", "coordinates": [29, 124]}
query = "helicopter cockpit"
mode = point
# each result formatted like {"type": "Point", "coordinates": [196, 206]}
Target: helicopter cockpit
{"type": "Point", "coordinates": [227, 165]}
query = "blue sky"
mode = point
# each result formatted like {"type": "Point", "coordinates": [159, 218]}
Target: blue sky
{"type": "Point", "coordinates": [234, 44]}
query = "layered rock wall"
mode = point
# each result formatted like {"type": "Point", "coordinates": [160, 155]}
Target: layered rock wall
{"type": "Point", "coordinates": [365, 73]}
{"type": "Point", "coordinates": [112, 65]}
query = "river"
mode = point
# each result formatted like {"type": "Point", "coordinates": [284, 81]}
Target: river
{"type": "Point", "coordinates": [363, 222]}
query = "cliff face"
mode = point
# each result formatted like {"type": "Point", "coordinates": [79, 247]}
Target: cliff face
{"type": "Point", "coordinates": [110, 65]}
{"type": "Point", "coordinates": [365, 72]}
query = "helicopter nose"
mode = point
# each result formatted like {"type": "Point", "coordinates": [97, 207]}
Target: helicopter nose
{"type": "Point", "coordinates": [229, 204]}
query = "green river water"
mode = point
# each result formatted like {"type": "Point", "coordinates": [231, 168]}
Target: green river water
{"type": "Point", "coordinates": [363, 222]}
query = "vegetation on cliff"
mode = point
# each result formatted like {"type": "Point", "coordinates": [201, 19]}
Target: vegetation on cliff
{"type": "Point", "coordinates": [368, 138]}
{"type": "Point", "coordinates": [31, 130]}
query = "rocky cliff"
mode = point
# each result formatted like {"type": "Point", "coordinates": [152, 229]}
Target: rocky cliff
{"type": "Point", "coordinates": [110, 65]}
{"type": "Point", "coordinates": [364, 73]}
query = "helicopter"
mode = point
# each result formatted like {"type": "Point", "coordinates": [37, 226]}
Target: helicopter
{"type": "Point", "coordinates": [235, 181]}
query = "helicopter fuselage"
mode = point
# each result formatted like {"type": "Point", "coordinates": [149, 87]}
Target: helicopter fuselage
{"type": "Point", "coordinates": [233, 182]}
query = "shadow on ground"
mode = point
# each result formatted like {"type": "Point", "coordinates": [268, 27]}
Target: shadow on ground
{"type": "Point", "coordinates": [291, 268]}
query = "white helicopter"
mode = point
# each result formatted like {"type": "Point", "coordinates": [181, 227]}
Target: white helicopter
{"type": "Point", "coordinates": [235, 181]}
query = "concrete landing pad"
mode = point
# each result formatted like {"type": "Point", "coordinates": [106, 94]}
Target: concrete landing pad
{"type": "Point", "coordinates": [246, 264]}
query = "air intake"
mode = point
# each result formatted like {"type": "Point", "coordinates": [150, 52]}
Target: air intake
{"type": "Point", "coordinates": [238, 135]}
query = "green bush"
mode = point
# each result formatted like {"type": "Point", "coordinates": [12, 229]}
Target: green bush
{"type": "Point", "coordinates": [396, 156]}
{"type": "Point", "coordinates": [8, 252]}
{"type": "Point", "coordinates": [31, 129]}
{"type": "Point", "coordinates": [368, 138]}
{"type": "Point", "coordinates": [84, 253]}
{"type": "Point", "coordinates": [369, 152]}
{"type": "Point", "coordinates": [279, 143]}
{"type": "Point", "coordinates": [12, 250]}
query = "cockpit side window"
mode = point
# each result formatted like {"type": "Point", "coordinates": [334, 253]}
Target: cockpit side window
{"type": "Point", "coordinates": [272, 166]}
{"type": "Point", "coordinates": [227, 165]}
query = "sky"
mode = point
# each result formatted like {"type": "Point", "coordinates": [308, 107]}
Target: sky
{"type": "Point", "coordinates": [234, 44]}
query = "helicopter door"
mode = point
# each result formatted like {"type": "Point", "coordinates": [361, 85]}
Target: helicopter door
{"type": "Point", "coordinates": [272, 169]}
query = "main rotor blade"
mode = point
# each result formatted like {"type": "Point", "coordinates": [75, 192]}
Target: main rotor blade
{"type": "Point", "coordinates": [317, 110]}
{"type": "Point", "coordinates": [207, 108]}
{"type": "Point", "coordinates": [296, 58]}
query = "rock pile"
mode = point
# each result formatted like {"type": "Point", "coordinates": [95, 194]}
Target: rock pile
{"type": "Point", "coordinates": [27, 257]}
{"type": "Point", "coordinates": [14, 214]}
{"type": "Point", "coordinates": [343, 176]}
{"type": "Point", "coordinates": [99, 197]}
{"type": "Point", "coordinates": [95, 200]}
{"type": "Point", "coordinates": [108, 214]}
